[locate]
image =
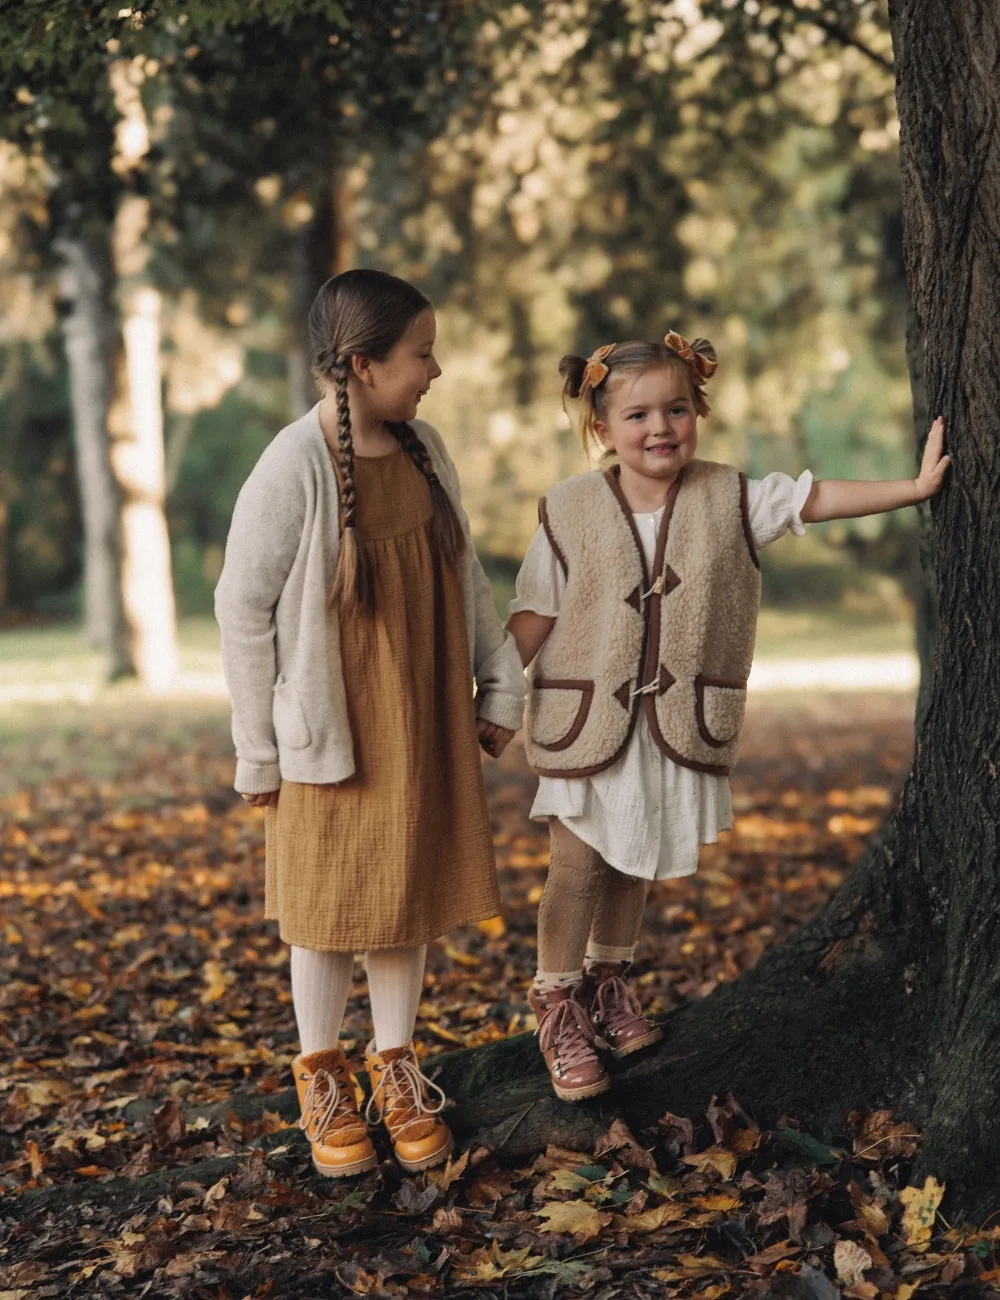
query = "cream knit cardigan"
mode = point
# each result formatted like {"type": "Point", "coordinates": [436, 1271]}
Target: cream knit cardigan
{"type": "Point", "coordinates": [281, 637]}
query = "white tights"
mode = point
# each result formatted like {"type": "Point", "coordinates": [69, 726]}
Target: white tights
{"type": "Point", "coordinates": [321, 984]}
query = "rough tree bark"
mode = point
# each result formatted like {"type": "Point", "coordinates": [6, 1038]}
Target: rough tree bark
{"type": "Point", "coordinates": [891, 996]}
{"type": "Point", "coordinates": [89, 328]}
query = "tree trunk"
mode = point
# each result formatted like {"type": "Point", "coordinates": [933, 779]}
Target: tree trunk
{"type": "Point", "coordinates": [89, 330]}
{"type": "Point", "coordinates": [324, 246]}
{"type": "Point", "coordinates": [147, 581]}
{"type": "Point", "coordinates": [891, 996]}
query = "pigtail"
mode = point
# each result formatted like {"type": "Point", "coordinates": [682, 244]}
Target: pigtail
{"type": "Point", "coordinates": [571, 368]}
{"type": "Point", "coordinates": [446, 529]}
{"type": "Point", "coordinates": [354, 579]}
{"type": "Point", "coordinates": [582, 413]}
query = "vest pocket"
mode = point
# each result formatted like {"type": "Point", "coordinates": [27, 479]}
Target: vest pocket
{"type": "Point", "coordinates": [559, 710]}
{"type": "Point", "coordinates": [719, 709]}
{"type": "Point", "coordinates": [290, 725]}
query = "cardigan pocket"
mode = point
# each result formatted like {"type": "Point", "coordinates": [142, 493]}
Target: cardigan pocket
{"type": "Point", "coordinates": [559, 711]}
{"type": "Point", "coordinates": [290, 725]}
{"type": "Point", "coordinates": [719, 708]}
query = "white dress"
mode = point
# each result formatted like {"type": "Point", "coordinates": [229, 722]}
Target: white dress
{"type": "Point", "coordinates": [647, 815]}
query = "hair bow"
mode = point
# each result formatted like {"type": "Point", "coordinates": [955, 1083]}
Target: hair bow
{"type": "Point", "coordinates": [699, 355]}
{"type": "Point", "coordinates": [595, 371]}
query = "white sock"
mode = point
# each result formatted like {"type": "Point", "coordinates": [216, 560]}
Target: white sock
{"type": "Point", "coordinates": [321, 983]}
{"type": "Point", "coordinates": [547, 981]}
{"type": "Point", "coordinates": [395, 981]}
{"type": "Point", "coordinates": [602, 952]}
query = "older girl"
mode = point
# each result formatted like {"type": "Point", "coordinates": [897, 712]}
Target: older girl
{"type": "Point", "coordinates": [637, 608]}
{"type": "Point", "coordinates": [354, 617]}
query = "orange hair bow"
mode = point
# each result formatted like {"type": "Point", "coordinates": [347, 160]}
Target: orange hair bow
{"type": "Point", "coordinates": [595, 371]}
{"type": "Point", "coordinates": [699, 355]}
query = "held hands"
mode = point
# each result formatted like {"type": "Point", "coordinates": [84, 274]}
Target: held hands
{"type": "Point", "coordinates": [934, 465]}
{"type": "Point", "coordinates": [492, 738]}
{"type": "Point", "coordinates": [261, 800]}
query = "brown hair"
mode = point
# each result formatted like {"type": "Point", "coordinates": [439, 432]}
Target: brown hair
{"type": "Point", "coordinates": [366, 313]}
{"type": "Point", "coordinates": [624, 358]}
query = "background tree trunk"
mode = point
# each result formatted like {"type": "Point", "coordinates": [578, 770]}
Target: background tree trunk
{"type": "Point", "coordinates": [89, 330]}
{"type": "Point", "coordinates": [891, 996]}
{"type": "Point", "coordinates": [147, 581]}
{"type": "Point", "coordinates": [324, 246]}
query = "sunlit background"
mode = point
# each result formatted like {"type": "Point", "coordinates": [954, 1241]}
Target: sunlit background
{"type": "Point", "coordinates": [566, 175]}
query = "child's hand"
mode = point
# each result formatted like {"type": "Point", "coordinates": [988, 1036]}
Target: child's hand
{"type": "Point", "coordinates": [492, 738]}
{"type": "Point", "coordinates": [934, 465]}
{"type": "Point", "coordinates": [262, 800]}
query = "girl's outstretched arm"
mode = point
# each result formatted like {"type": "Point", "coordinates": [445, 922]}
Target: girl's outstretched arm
{"type": "Point", "coordinates": [529, 631]}
{"type": "Point", "coordinates": [833, 498]}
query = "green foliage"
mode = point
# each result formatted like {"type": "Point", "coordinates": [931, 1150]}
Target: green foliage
{"type": "Point", "coordinates": [556, 174]}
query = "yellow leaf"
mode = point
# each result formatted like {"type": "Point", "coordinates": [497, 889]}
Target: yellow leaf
{"type": "Point", "coordinates": [703, 1264]}
{"type": "Point", "coordinates": [715, 1158]}
{"type": "Point", "coordinates": [462, 958]}
{"type": "Point", "coordinates": [216, 982]}
{"type": "Point", "coordinates": [565, 1180]}
{"type": "Point", "coordinates": [650, 1220]}
{"type": "Point", "coordinates": [921, 1210]}
{"type": "Point", "coordinates": [718, 1201]}
{"type": "Point", "coordinates": [574, 1218]}
{"type": "Point", "coordinates": [493, 927]}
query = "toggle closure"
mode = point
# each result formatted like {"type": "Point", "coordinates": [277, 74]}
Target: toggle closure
{"type": "Point", "coordinates": [648, 689]}
{"type": "Point", "coordinates": [655, 590]}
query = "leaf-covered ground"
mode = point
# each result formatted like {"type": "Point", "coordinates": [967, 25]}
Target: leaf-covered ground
{"type": "Point", "coordinates": [146, 1022]}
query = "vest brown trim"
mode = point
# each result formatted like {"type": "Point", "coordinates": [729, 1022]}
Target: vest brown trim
{"type": "Point", "coordinates": [586, 689]}
{"type": "Point", "coordinates": [680, 700]}
{"type": "Point", "coordinates": [543, 519]}
{"type": "Point", "coordinates": [653, 649]}
{"type": "Point", "coordinates": [745, 516]}
{"type": "Point", "coordinates": [700, 682]}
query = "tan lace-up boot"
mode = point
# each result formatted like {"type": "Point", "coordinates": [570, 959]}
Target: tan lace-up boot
{"type": "Point", "coordinates": [402, 1100]}
{"type": "Point", "coordinates": [330, 1119]}
{"type": "Point", "coordinates": [614, 1012]}
{"type": "Point", "coordinates": [566, 1038]}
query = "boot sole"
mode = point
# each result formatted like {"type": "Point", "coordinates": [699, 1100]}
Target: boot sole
{"type": "Point", "coordinates": [428, 1162]}
{"type": "Point", "coordinates": [655, 1037]}
{"type": "Point", "coordinates": [347, 1171]}
{"type": "Point", "coordinates": [581, 1094]}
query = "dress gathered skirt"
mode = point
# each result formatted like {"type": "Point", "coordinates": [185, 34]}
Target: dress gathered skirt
{"type": "Point", "coordinates": [401, 852]}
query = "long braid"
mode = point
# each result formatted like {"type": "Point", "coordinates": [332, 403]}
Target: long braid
{"type": "Point", "coordinates": [354, 580]}
{"type": "Point", "coordinates": [446, 530]}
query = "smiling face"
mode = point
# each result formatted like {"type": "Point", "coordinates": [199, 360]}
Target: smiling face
{"type": "Point", "coordinates": [396, 384]}
{"type": "Point", "coordinates": [650, 422]}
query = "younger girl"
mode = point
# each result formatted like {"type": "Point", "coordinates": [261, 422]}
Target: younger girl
{"type": "Point", "coordinates": [354, 616]}
{"type": "Point", "coordinates": [637, 607]}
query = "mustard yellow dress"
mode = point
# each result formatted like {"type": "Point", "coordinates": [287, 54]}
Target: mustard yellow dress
{"type": "Point", "coordinates": [402, 851]}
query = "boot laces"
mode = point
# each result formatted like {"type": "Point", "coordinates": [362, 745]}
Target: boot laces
{"type": "Point", "coordinates": [323, 1103]}
{"type": "Point", "coordinates": [403, 1085]}
{"type": "Point", "coordinates": [567, 1028]}
{"type": "Point", "coordinates": [615, 1005]}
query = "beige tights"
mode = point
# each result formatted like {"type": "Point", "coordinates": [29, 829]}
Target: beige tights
{"type": "Point", "coordinates": [588, 910]}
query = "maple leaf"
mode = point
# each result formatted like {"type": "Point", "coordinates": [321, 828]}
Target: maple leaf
{"type": "Point", "coordinates": [577, 1219]}
{"type": "Point", "coordinates": [732, 1126]}
{"type": "Point", "coordinates": [715, 1159]}
{"type": "Point", "coordinates": [620, 1140]}
{"type": "Point", "coordinates": [921, 1210]}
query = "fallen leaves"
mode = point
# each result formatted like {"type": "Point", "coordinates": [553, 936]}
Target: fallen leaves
{"type": "Point", "coordinates": [158, 1000]}
{"type": "Point", "coordinates": [921, 1210]}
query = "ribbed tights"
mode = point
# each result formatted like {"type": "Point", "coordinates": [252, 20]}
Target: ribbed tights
{"type": "Point", "coordinates": [588, 910]}
{"type": "Point", "coordinates": [321, 984]}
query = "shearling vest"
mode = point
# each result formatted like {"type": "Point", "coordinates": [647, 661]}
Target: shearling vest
{"type": "Point", "coordinates": [675, 645]}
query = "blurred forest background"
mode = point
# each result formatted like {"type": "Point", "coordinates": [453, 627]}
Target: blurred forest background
{"type": "Point", "coordinates": [176, 182]}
